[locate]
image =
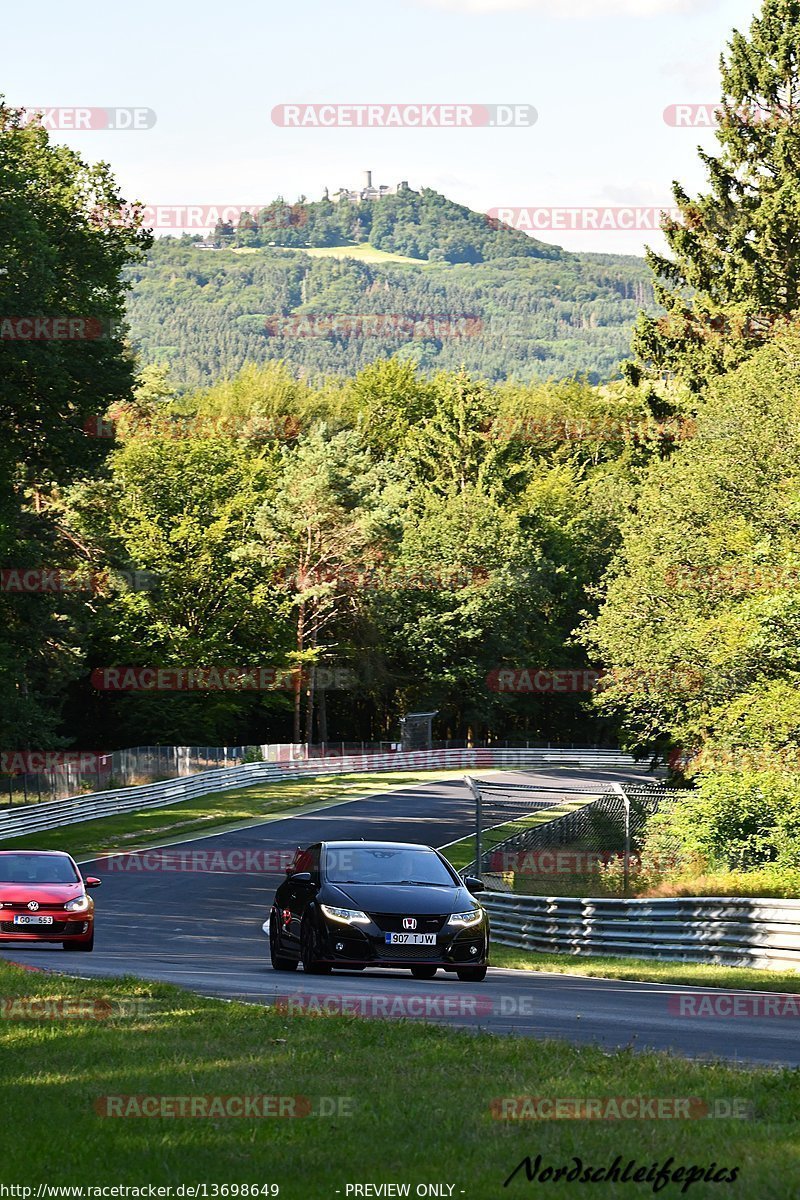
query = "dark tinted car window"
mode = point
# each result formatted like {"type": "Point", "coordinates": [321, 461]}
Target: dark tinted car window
{"type": "Point", "coordinates": [301, 862]}
{"type": "Point", "coordinates": [385, 864]}
{"type": "Point", "coordinates": [36, 868]}
{"type": "Point", "coordinates": [306, 860]}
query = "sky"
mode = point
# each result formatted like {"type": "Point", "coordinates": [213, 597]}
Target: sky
{"type": "Point", "coordinates": [599, 73]}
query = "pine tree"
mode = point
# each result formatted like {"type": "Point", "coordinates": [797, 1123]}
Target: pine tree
{"type": "Point", "coordinates": [734, 270]}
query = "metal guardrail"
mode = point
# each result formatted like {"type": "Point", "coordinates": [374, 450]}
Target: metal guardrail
{"type": "Point", "coordinates": [34, 818]}
{"type": "Point", "coordinates": [732, 932]}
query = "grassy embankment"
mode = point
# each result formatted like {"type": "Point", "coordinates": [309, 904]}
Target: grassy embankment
{"type": "Point", "coordinates": [434, 1121]}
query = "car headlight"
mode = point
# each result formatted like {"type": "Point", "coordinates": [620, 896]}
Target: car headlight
{"type": "Point", "coordinates": [472, 917]}
{"type": "Point", "coordinates": [79, 904]}
{"type": "Point", "coordinates": [347, 916]}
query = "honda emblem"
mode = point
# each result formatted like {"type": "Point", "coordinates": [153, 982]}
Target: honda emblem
{"type": "Point", "coordinates": [409, 922]}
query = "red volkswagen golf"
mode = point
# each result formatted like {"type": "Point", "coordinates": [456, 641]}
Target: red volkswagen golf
{"type": "Point", "coordinates": [43, 898]}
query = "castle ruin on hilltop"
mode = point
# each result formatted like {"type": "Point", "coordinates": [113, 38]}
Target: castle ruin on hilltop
{"type": "Point", "coordinates": [367, 192]}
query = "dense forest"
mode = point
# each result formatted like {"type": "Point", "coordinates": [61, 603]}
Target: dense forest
{"type": "Point", "coordinates": [516, 310]}
{"type": "Point", "coordinates": [419, 532]}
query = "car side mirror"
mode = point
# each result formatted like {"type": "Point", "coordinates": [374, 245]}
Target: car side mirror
{"type": "Point", "coordinates": [303, 878]}
{"type": "Point", "coordinates": [473, 884]}
{"type": "Point", "coordinates": [92, 881]}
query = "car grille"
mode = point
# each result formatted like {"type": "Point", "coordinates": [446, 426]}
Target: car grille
{"type": "Point", "coordinates": [56, 927]}
{"type": "Point", "coordinates": [410, 953]}
{"type": "Point", "coordinates": [22, 906]}
{"type": "Point", "coordinates": [393, 922]}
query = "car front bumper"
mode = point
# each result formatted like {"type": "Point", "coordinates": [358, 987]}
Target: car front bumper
{"type": "Point", "coordinates": [347, 945]}
{"type": "Point", "coordinates": [63, 928]}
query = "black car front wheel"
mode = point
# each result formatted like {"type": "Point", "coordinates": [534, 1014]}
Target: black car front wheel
{"type": "Point", "coordinates": [472, 974]}
{"type": "Point", "coordinates": [279, 961]}
{"type": "Point", "coordinates": [309, 951]}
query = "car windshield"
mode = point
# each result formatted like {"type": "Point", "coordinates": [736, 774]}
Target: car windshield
{"type": "Point", "coordinates": [36, 868]}
{"type": "Point", "coordinates": [385, 864]}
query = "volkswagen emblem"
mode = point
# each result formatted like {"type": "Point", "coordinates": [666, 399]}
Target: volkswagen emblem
{"type": "Point", "coordinates": [409, 922]}
{"type": "Point", "coordinates": [33, 905]}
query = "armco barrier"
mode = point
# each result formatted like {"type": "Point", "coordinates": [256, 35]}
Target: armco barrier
{"type": "Point", "coordinates": [33, 818]}
{"type": "Point", "coordinates": [729, 931]}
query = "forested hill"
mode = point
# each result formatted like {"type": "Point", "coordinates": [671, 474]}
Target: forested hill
{"type": "Point", "coordinates": [416, 275]}
{"type": "Point", "coordinates": [422, 224]}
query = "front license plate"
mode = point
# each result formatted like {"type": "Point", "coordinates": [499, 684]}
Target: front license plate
{"type": "Point", "coordinates": [24, 919]}
{"type": "Point", "coordinates": [410, 939]}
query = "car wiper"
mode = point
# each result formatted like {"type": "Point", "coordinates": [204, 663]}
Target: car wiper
{"type": "Point", "coordinates": [419, 883]}
{"type": "Point", "coordinates": [390, 883]}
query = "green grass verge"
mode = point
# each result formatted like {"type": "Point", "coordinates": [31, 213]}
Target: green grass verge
{"type": "Point", "coordinates": [647, 970]}
{"type": "Point", "coordinates": [431, 1121]}
{"type": "Point", "coordinates": [214, 812]}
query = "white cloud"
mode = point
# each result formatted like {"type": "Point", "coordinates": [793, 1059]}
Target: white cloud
{"type": "Point", "coordinates": [574, 8]}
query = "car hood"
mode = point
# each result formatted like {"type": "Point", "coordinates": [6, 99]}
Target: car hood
{"type": "Point", "coordinates": [45, 893]}
{"type": "Point", "coordinates": [395, 898]}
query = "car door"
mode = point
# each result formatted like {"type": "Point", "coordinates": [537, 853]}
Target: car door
{"type": "Point", "coordinates": [295, 897]}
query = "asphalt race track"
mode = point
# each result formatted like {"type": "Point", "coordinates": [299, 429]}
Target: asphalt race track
{"type": "Point", "coordinates": [201, 928]}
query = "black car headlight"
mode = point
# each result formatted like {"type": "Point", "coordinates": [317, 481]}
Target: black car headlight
{"type": "Point", "coordinates": [462, 920]}
{"type": "Point", "coordinates": [345, 916]}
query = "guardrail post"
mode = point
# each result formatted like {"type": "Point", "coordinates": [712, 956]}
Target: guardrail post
{"type": "Point", "coordinates": [626, 861]}
{"type": "Point", "coordinates": [476, 791]}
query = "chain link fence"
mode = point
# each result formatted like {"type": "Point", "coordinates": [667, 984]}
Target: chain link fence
{"type": "Point", "coordinates": [557, 840]}
{"type": "Point", "coordinates": [97, 772]}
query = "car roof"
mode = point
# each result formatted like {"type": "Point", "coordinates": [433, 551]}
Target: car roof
{"type": "Point", "coordinates": [356, 844]}
{"type": "Point", "coordinates": [46, 853]}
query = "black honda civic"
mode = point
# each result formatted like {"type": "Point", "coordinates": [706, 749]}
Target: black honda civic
{"type": "Point", "coordinates": [378, 904]}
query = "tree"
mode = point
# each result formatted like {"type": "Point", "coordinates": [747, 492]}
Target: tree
{"type": "Point", "coordinates": [312, 536]}
{"type": "Point", "coordinates": [734, 268]}
{"type": "Point", "coordinates": [451, 448]}
{"type": "Point", "coordinates": [65, 236]}
{"type": "Point", "coordinates": [180, 509]}
{"type": "Point", "coordinates": [700, 625]}
{"type": "Point", "coordinates": [387, 399]}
